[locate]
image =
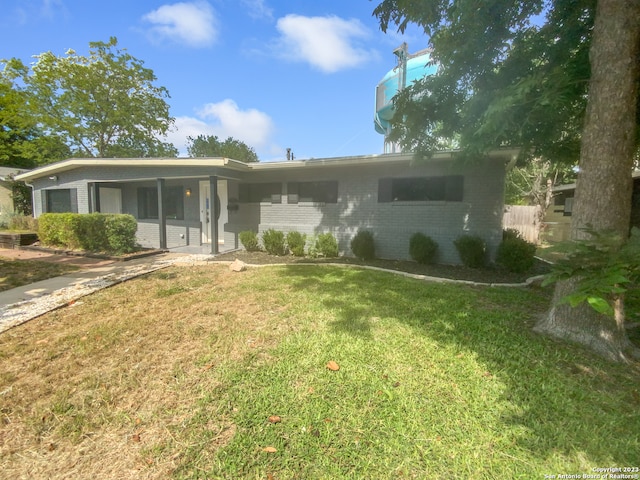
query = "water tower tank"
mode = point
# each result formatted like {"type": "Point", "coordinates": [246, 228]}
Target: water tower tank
{"type": "Point", "coordinates": [411, 67]}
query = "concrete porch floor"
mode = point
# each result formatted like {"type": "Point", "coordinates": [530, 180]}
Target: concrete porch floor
{"type": "Point", "coordinates": [204, 249]}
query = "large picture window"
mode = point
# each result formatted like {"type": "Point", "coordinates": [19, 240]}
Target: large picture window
{"type": "Point", "coordinates": [316, 192]}
{"type": "Point", "coordinates": [260, 192]}
{"type": "Point", "coordinates": [148, 203]}
{"type": "Point", "coordinates": [421, 189]}
{"type": "Point", "coordinates": [63, 200]}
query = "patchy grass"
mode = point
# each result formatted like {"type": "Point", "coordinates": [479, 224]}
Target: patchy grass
{"type": "Point", "coordinates": [16, 273]}
{"type": "Point", "coordinates": [176, 374]}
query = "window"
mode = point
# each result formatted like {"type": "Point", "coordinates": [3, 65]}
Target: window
{"type": "Point", "coordinates": [260, 192]}
{"type": "Point", "coordinates": [148, 203]}
{"type": "Point", "coordinates": [317, 192]}
{"type": "Point", "coordinates": [421, 189]}
{"type": "Point", "coordinates": [64, 200]}
{"type": "Point", "coordinates": [568, 207]}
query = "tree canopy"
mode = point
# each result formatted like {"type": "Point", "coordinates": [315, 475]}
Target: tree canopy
{"type": "Point", "coordinates": [510, 73]}
{"type": "Point", "coordinates": [211, 146]}
{"type": "Point", "coordinates": [22, 141]}
{"type": "Point", "coordinates": [102, 105]}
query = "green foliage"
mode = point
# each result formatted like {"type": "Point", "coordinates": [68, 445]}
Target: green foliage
{"type": "Point", "coordinates": [249, 240]}
{"type": "Point", "coordinates": [99, 105]}
{"type": "Point", "coordinates": [326, 245]}
{"type": "Point", "coordinates": [472, 250]}
{"type": "Point", "coordinates": [120, 231]}
{"type": "Point", "coordinates": [23, 142]}
{"type": "Point", "coordinates": [21, 196]}
{"type": "Point", "coordinates": [211, 146]}
{"type": "Point", "coordinates": [93, 232]}
{"type": "Point", "coordinates": [273, 241]}
{"type": "Point", "coordinates": [515, 253]}
{"type": "Point", "coordinates": [605, 265]}
{"type": "Point", "coordinates": [363, 245]}
{"type": "Point", "coordinates": [296, 242]}
{"type": "Point", "coordinates": [531, 94]}
{"type": "Point", "coordinates": [422, 248]}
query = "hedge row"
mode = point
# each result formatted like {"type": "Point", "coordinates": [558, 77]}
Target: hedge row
{"type": "Point", "coordinates": [275, 242]}
{"type": "Point", "coordinates": [514, 253]}
{"type": "Point", "coordinates": [92, 232]}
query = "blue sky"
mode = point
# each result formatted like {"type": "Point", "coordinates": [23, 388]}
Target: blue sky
{"type": "Point", "coordinates": [272, 73]}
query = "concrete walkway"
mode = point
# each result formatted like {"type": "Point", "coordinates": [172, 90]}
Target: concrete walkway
{"type": "Point", "coordinates": [21, 304]}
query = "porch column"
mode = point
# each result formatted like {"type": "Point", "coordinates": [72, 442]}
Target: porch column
{"type": "Point", "coordinates": [94, 196]}
{"type": "Point", "coordinates": [213, 188]}
{"type": "Point", "coordinates": [162, 221]}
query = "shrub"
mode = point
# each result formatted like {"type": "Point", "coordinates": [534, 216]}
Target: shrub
{"type": "Point", "coordinates": [23, 223]}
{"type": "Point", "coordinates": [273, 241]}
{"type": "Point", "coordinates": [120, 232]}
{"type": "Point", "coordinates": [472, 250]}
{"type": "Point", "coordinates": [363, 246]}
{"type": "Point", "coordinates": [249, 240]}
{"type": "Point", "coordinates": [422, 248]}
{"type": "Point", "coordinates": [93, 232]}
{"type": "Point", "coordinates": [296, 242]}
{"type": "Point", "coordinates": [326, 245]}
{"type": "Point", "coordinates": [516, 254]}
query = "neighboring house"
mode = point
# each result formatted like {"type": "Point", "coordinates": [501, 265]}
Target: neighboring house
{"type": "Point", "coordinates": [557, 219]}
{"type": "Point", "coordinates": [6, 198]}
{"type": "Point", "coordinates": [386, 194]}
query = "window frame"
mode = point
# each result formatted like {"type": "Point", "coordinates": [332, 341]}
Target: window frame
{"type": "Point", "coordinates": [320, 191]}
{"type": "Point", "coordinates": [423, 189]}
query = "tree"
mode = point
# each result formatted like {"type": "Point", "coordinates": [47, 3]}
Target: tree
{"type": "Point", "coordinates": [506, 77]}
{"type": "Point", "coordinates": [22, 142]}
{"type": "Point", "coordinates": [99, 104]}
{"type": "Point", "coordinates": [211, 146]}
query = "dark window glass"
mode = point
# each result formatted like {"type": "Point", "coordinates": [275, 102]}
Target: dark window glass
{"type": "Point", "coordinates": [148, 203]}
{"type": "Point", "coordinates": [421, 189]}
{"type": "Point", "coordinates": [316, 192]}
{"type": "Point", "coordinates": [61, 201]}
{"type": "Point", "coordinates": [260, 192]}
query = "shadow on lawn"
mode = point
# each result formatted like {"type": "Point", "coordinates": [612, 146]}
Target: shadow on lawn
{"type": "Point", "coordinates": [566, 399]}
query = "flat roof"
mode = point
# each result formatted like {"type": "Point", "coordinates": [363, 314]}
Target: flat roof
{"type": "Point", "coordinates": [236, 165]}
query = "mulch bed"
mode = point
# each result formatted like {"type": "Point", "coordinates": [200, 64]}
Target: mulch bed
{"type": "Point", "coordinates": [492, 274]}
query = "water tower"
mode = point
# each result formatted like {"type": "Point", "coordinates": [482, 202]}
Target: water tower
{"type": "Point", "coordinates": [410, 67]}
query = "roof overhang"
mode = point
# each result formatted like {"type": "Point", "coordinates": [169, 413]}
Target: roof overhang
{"type": "Point", "coordinates": [238, 166]}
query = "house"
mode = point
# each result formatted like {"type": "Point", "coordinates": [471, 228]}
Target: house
{"type": "Point", "coordinates": [6, 198]}
{"type": "Point", "coordinates": [172, 199]}
{"type": "Point", "coordinates": [557, 219]}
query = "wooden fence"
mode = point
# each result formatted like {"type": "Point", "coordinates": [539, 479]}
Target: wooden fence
{"type": "Point", "coordinates": [524, 219]}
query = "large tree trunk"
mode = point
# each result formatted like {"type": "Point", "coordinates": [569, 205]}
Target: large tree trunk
{"type": "Point", "coordinates": [604, 184]}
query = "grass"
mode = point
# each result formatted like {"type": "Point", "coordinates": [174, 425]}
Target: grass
{"type": "Point", "coordinates": [175, 375]}
{"type": "Point", "coordinates": [16, 273]}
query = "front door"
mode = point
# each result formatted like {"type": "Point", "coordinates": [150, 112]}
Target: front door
{"type": "Point", "coordinates": [208, 214]}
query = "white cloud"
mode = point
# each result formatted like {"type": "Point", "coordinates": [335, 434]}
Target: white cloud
{"type": "Point", "coordinates": [327, 43]}
{"type": "Point", "coordinates": [190, 23]}
{"type": "Point", "coordinates": [258, 9]}
{"type": "Point", "coordinates": [225, 119]}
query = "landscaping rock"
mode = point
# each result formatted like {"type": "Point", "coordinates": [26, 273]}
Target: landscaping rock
{"type": "Point", "coordinates": [237, 266]}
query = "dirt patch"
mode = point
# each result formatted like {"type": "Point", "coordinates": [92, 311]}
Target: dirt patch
{"type": "Point", "coordinates": [491, 274]}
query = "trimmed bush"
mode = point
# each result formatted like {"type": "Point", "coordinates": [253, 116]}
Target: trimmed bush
{"type": "Point", "coordinates": [296, 242]}
{"type": "Point", "coordinates": [515, 253]}
{"type": "Point", "coordinates": [249, 240]}
{"type": "Point", "coordinates": [422, 248]}
{"type": "Point", "coordinates": [120, 231]}
{"type": "Point", "coordinates": [472, 250]}
{"type": "Point", "coordinates": [273, 241]}
{"type": "Point", "coordinates": [363, 246]}
{"type": "Point", "coordinates": [326, 245]}
{"type": "Point", "coordinates": [93, 232]}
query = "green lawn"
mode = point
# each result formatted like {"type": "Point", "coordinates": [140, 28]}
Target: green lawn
{"type": "Point", "coordinates": [435, 381]}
